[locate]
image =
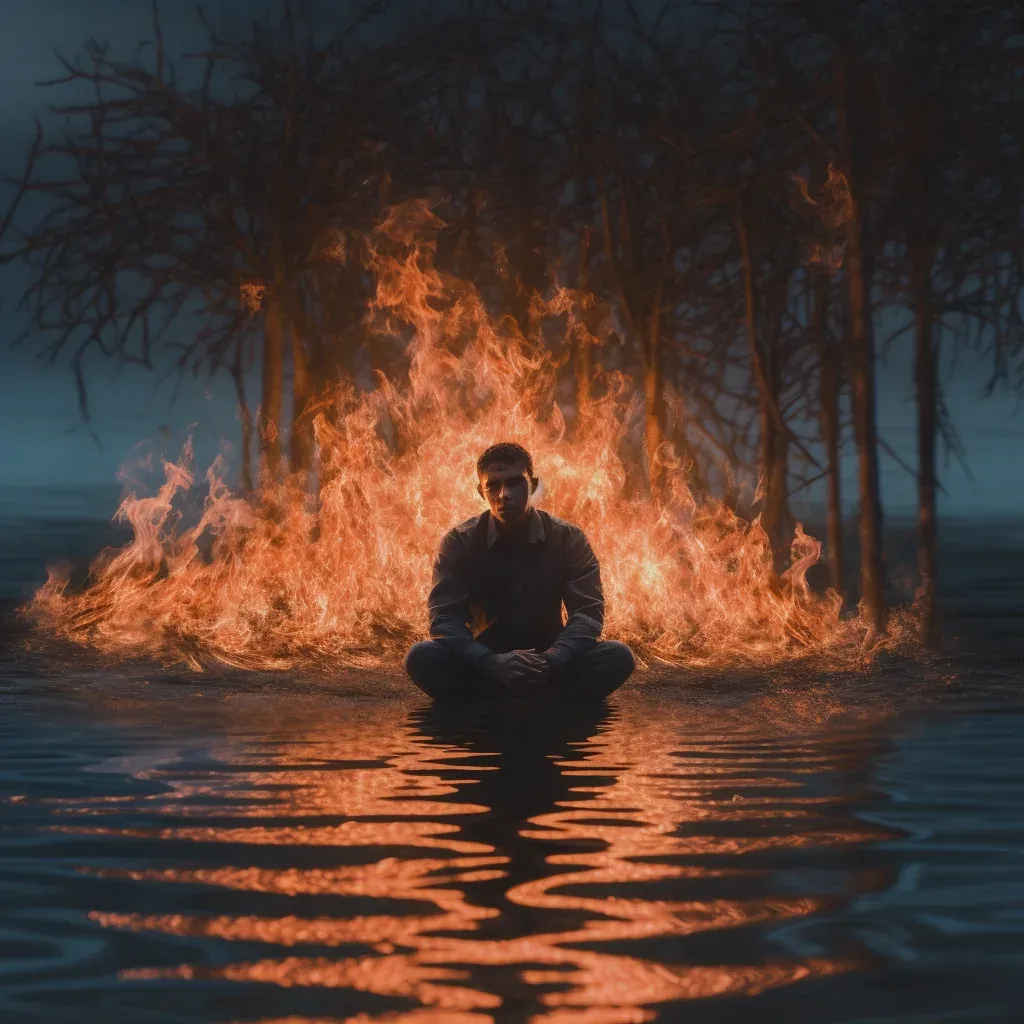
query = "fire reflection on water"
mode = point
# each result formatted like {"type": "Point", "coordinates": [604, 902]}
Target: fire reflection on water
{"type": "Point", "coordinates": [529, 865]}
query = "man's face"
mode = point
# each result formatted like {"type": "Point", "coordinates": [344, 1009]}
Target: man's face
{"type": "Point", "coordinates": [508, 490]}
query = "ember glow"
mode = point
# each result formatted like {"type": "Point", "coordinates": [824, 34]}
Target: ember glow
{"type": "Point", "coordinates": [293, 581]}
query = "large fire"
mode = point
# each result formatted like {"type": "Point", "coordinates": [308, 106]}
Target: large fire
{"type": "Point", "coordinates": [342, 579]}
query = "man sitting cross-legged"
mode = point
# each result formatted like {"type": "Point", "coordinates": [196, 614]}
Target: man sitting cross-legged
{"type": "Point", "coordinates": [500, 580]}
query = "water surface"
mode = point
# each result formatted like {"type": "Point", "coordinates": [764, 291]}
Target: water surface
{"type": "Point", "coordinates": [181, 848]}
{"type": "Point", "coordinates": [195, 858]}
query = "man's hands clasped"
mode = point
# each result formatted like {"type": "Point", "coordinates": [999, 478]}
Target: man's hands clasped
{"type": "Point", "coordinates": [520, 671]}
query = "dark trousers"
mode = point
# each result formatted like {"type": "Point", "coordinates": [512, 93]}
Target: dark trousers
{"type": "Point", "coordinates": [588, 677]}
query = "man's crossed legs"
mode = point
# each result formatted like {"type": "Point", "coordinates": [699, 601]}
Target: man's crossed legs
{"type": "Point", "coordinates": [589, 677]}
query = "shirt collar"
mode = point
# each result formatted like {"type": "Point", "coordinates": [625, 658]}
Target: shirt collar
{"type": "Point", "coordinates": [534, 532]}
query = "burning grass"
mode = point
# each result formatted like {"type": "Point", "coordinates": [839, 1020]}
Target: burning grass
{"type": "Point", "coordinates": [293, 582]}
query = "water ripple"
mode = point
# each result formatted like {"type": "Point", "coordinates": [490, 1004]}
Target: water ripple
{"type": "Point", "coordinates": [377, 861]}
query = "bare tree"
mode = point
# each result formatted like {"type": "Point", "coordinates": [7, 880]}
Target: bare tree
{"type": "Point", "coordinates": [950, 89]}
{"type": "Point", "coordinates": [200, 197]}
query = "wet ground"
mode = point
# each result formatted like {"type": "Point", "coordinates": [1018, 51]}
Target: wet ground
{"type": "Point", "coordinates": [184, 848]}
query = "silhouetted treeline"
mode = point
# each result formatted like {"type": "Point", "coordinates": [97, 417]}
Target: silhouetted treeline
{"type": "Point", "coordinates": [758, 196]}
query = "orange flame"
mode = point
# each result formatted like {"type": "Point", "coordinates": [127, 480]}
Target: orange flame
{"type": "Point", "coordinates": [289, 584]}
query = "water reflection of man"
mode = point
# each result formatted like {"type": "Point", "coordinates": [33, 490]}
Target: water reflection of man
{"type": "Point", "coordinates": [500, 581]}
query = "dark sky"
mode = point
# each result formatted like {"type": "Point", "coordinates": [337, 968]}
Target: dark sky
{"type": "Point", "coordinates": [45, 441]}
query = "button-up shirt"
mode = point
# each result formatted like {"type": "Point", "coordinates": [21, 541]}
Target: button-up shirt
{"type": "Point", "coordinates": [489, 594]}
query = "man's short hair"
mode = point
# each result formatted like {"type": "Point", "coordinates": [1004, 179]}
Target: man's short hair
{"type": "Point", "coordinates": [505, 451]}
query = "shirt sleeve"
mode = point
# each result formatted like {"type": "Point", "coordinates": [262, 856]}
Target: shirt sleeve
{"type": "Point", "coordinates": [583, 599]}
{"type": "Point", "coordinates": [448, 604]}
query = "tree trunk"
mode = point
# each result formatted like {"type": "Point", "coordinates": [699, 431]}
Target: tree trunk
{"type": "Point", "coordinates": [688, 452]}
{"type": "Point", "coordinates": [766, 425]}
{"type": "Point", "coordinates": [828, 397]}
{"type": "Point", "coordinates": [302, 427]}
{"type": "Point", "coordinates": [238, 373]}
{"type": "Point", "coordinates": [862, 360]}
{"type": "Point", "coordinates": [653, 413]}
{"type": "Point", "coordinates": [273, 384]}
{"type": "Point", "coordinates": [773, 475]}
{"type": "Point", "coordinates": [927, 407]}
{"type": "Point", "coordinates": [584, 355]}
{"type": "Point", "coordinates": [777, 469]}
{"type": "Point", "coordinates": [654, 396]}
{"type": "Point", "coordinates": [644, 326]}
{"type": "Point", "coordinates": [777, 491]}
{"type": "Point", "coordinates": [862, 346]}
